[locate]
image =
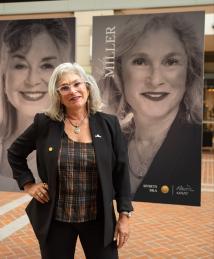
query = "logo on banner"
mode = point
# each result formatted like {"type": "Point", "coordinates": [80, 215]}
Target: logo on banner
{"type": "Point", "coordinates": [164, 189]}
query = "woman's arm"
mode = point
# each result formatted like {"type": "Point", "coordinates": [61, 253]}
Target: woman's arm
{"type": "Point", "coordinates": [122, 187]}
{"type": "Point", "coordinates": [121, 179]}
{"type": "Point", "coordinates": [18, 153]}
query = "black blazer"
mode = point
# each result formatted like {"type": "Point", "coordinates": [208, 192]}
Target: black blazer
{"type": "Point", "coordinates": [44, 135]}
{"type": "Point", "coordinates": [177, 164]}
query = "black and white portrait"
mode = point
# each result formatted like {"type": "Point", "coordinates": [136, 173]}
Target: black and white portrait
{"type": "Point", "coordinates": [30, 50]}
{"type": "Point", "coordinates": [150, 72]}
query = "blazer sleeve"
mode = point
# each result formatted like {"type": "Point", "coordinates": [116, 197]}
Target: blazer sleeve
{"type": "Point", "coordinates": [121, 180]}
{"type": "Point", "coordinates": [18, 153]}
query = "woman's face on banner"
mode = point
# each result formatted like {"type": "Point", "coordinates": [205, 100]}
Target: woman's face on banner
{"type": "Point", "coordinates": [154, 74]}
{"type": "Point", "coordinates": [28, 73]}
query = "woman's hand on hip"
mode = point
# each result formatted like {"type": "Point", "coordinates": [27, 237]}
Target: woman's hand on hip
{"type": "Point", "coordinates": [121, 233]}
{"type": "Point", "coordinates": [39, 191]}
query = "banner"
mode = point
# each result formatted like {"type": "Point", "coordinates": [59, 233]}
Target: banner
{"type": "Point", "coordinates": [150, 71]}
{"type": "Point", "coordinates": [30, 50]}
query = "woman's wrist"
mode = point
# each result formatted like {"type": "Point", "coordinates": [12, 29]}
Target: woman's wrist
{"type": "Point", "coordinates": [27, 186]}
{"type": "Point", "coordinates": [125, 214]}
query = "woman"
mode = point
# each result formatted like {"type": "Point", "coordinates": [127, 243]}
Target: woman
{"type": "Point", "coordinates": [156, 93]}
{"type": "Point", "coordinates": [31, 50]}
{"type": "Point", "coordinates": [82, 161]}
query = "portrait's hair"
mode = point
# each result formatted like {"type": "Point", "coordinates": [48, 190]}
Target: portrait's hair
{"type": "Point", "coordinates": [56, 111]}
{"type": "Point", "coordinates": [112, 90]}
{"type": "Point", "coordinates": [19, 35]}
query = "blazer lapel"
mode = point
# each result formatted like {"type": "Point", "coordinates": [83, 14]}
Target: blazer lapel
{"type": "Point", "coordinates": [97, 137]}
{"type": "Point", "coordinates": [103, 149]}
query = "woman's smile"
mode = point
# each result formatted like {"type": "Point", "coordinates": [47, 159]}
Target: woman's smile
{"type": "Point", "coordinates": [33, 95]}
{"type": "Point", "coordinates": [75, 98]}
{"type": "Point", "coordinates": [155, 96]}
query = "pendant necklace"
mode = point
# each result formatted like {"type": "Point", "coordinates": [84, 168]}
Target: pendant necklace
{"type": "Point", "coordinates": [142, 162]}
{"type": "Point", "coordinates": [75, 126]}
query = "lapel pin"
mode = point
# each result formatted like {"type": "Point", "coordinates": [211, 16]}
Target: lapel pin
{"type": "Point", "coordinates": [50, 149]}
{"type": "Point", "coordinates": [97, 136]}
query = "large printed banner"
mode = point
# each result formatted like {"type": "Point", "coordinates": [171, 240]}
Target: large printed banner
{"type": "Point", "coordinates": [30, 50]}
{"type": "Point", "coordinates": [150, 71]}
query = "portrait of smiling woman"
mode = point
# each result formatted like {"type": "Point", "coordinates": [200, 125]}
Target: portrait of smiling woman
{"type": "Point", "coordinates": [30, 51]}
{"type": "Point", "coordinates": [156, 92]}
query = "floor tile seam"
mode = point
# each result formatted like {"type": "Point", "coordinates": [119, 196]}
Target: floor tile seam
{"type": "Point", "coordinates": [12, 214]}
{"type": "Point", "coordinates": [14, 226]}
{"type": "Point", "coordinates": [14, 204]}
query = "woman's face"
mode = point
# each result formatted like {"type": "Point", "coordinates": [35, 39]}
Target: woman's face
{"type": "Point", "coordinates": [154, 74]}
{"type": "Point", "coordinates": [28, 73]}
{"type": "Point", "coordinates": [76, 97]}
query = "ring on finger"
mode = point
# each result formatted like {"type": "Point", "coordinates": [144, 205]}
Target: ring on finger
{"type": "Point", "coordinates": [39, 194]}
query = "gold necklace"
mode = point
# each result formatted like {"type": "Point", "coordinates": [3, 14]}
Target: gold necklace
{"type": "Point", "coordinates": [77, 127]}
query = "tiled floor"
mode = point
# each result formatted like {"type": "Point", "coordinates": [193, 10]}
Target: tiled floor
{"type": "Point", "coordinates": [157, 230]}
{"type": "Point", "coordinates": [208, 171]}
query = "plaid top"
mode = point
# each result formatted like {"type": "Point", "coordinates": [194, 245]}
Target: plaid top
{"type": "Point", "coordinates": [78, 182]}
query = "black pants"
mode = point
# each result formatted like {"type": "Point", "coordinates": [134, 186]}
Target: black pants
{"type": "Point", "coordinates": [62, 239]}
